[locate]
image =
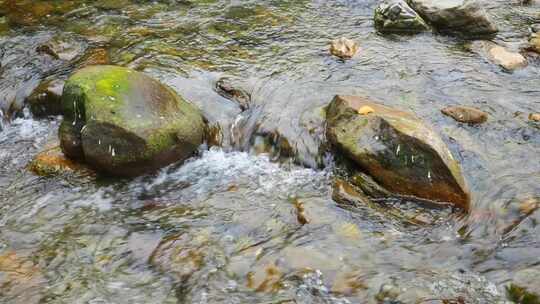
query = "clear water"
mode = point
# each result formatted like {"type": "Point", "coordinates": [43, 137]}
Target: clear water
{"type": "Point", "coordinates": [225, 226]}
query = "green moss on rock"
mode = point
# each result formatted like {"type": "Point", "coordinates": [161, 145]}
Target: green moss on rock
{"type": "Point", "coordinates": [128, 122]}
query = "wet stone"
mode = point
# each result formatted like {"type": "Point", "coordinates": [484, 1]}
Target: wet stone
{"type": "Point", "coordinates": [397, 16]}
{"type": "Point", "coordinates": [499, 55]}
{"type": "Point", "coordinates": [534, 117]}
{"type": "Point", "coordinates": [343, 48]}
{"type": "Point", "coordinates": [52, 161]}
{"type": "Point", "coordinates": [63, 48]}
{"type": "Point", "coordinates": [534, 42]}
{"type": "Point", "coordinates": [463, 17]}
{"type": "Point", "coordinates": [124, 123]}
{"type": "Point", "coordinates": [466, 114]}
{"type": "Point", "coordinates": [397, 150]}
{"type": "Point", "coordinates": [45, 100]}
{"type": "Point", "coordinates": [233, 90]}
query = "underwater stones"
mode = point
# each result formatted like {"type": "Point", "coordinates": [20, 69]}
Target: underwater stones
{"type": "Point", "coordinates": [45, 100]}
{"type": "Point", "coordinates": [180, 255]}
{"type": "Point", "coordinates": [466, 114]}
{"type": "Point", "coordinates": [499, 55]}
{"type": "Point", "coordinates": [464, 17]}
{"type": "Point", "coordinates": [21, 279]}
{"type": "Point", "coordinates": [398, 16]}
{"type": "Point", "coordinates": [124, 123]}
{"type": "Point", "coordinates": [343, 48]}
{"type": "Point", "coordinates": [397, 150]}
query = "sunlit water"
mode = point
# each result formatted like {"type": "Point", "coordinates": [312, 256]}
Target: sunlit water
{"type": "Point", "coordinates": [224, 227]}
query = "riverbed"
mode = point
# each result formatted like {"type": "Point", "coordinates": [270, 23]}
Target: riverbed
{"type": "Point", "coordinates": [248, 221]}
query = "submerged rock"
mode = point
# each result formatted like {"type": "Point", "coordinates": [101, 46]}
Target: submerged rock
{"type": "Point", "coordinates": [180, 255]}
{"type": "Point", "coordinates": [125, 123]}
{"type": "Point", "coordinates": [46, 98]}
{"type": "Point", "coordinates": [21, 280]}
{"type": "Point", "coordinates": [525, 287]}
{"type": "Point", "coordinates": [398, 16]}
{"type": "Point", "coordinates": [465, 17]}
{"type": "Point", "coordinates": [343, 48]}
{"type": "Point", "coordinates": [397, 150]}
{"type": "Point", "coordinates": [499, 55]}
{"type": "Point", "coordinates": [466, 114]}
{"type": "Point", "coordinates": [52, 162]}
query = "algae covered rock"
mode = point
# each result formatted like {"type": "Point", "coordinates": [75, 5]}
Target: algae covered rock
{"type": "Point", "coordinates": [465, 17]}
{"type": "Point", "coordinates": [395, 148]}
{"type": "Point", "coordinates": [398, 16]}
{"type": "Point", "coordinates": [123, 122]}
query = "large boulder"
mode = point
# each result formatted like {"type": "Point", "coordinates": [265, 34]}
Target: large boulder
{"type": "Point", "coordinates": [398, 16]}
{"type": "Point", "coordinates": [466, 17]}
{"type": "Point", "coordinates": [125, 123]}
{"type": "Point", "coordinates": [396, 149]}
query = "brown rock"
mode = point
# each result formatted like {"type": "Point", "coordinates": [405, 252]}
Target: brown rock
{"type": "Point", "coordinates": [534, 116]}
{"type": "Point", "coordinates": [500, 55]}
{"type": "Point", "coordinates": [466, 114]}
{"type": "Point", "coordinates": [98, 56]}
{"type": "Point", "coordinates": [53, 162]}
{"type": "Point", "coordinates": [396, 149]}
{"type": "Point", "coordinates": [506, 59]}
{"type": "Point", "coordinates": [343, 48]}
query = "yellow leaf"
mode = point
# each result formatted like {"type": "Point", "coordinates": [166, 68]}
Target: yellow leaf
{"type": "Point", "coordinates": [365, 110]}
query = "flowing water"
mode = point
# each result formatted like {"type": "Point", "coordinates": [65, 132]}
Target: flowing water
{"type": "Point", "coordinates": [254, 221]}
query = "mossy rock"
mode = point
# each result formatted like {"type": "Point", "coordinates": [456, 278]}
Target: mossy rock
{"type": "Point", "coordinates": [397, 16]}
{"type": "Point", "coordinates": [124, 123]}
{"type": "Point", "coordinates": [395, 148]}
{"type": "Point", "coordinates": [461, 17]}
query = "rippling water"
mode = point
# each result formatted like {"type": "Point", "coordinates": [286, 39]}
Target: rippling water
{"type": "Point", "coordinates": [236, 226]}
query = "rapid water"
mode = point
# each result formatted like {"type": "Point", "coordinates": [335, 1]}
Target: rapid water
{"type": "Point", "coordinates": [234, 225]}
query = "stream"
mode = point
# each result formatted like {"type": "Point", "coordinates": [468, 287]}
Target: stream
{"type": "Point", "coordinates": [256, 219]}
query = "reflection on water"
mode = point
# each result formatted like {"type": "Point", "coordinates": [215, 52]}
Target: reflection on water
{"type": "Point", "coordinates": [231, 226]}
